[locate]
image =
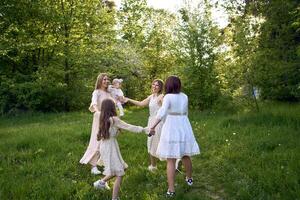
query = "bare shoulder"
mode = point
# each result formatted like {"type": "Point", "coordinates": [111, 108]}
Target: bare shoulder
{"type": "Point", "coordinates": [160, 97]}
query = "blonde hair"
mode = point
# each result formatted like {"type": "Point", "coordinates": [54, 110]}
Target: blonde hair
{"type": "Point", "coordinates": [99, 80]}
{"type": "Point", "coordinates": [161, 85]}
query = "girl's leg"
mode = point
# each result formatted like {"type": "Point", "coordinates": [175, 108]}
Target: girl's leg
{"type": "Point", "coordinates": [171, 174]}
{"type": "Point", "coordinates": [153, 161]}
{"type": "Point", "coordinates": [117, 185]}
{"type": "Point", "coordinates": [93, 163]}
{"type": "Point", "coordinates": [186, 160]}
{"type": "Point", "coordinates": [120, 107]}
{"type": "Point", "coordinates": [102, 183]}
{"type": "Point", "coordinates": [107, 178]}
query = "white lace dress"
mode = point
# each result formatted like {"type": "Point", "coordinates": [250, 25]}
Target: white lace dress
{"type": "Point", "coordinates": [177, 137]}
{"type": "Point", "coordinates": [110, 155]}
{"type": "Point", "coordinates": [153, 141]}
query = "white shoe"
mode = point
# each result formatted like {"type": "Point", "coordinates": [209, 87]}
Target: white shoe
{"type": "Point", "coordinates": [152, 168]}
{"type": "Point", "coordinates": [101, 185]}
{"type": "Point", "coordinates": [189, 181]}
{"type": "Point", "coordinates": [95, 171]}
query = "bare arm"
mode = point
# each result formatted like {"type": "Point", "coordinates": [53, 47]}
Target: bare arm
{"type": "Point", "coordinates": [142, 103]}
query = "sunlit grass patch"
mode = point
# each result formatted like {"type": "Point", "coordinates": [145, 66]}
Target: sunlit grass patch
{"type": "Point", "coordinates": [245, 155]}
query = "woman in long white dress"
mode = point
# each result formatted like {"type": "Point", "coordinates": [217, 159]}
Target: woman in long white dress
{"type": "Point", "coordinates": [100, 93]}
{"type": "Point", "coordinates": [154, 101]}
{"type": "Point", "coordinates": [177, 139]}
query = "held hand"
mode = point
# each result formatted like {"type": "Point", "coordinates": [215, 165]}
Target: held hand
{"type": "Point", "coordinates": [152, 132]}
{"type": "Point", "coordinates": [146, 130]}
{"type": "Point", "coordinates": [125, 99]}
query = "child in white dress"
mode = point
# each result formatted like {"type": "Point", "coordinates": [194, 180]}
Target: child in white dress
{"type": "Point", "coordinates": [110, 156]}
{"type": "Point", "coordinates": [117, 94]}
{"type": "Point", "coordinates": [177, 139]}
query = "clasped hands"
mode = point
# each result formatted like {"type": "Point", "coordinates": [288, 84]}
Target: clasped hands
{"type": "Point", "coordinates": [149, 131]}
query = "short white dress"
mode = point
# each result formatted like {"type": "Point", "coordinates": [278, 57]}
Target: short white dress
{"type": "Point", "coordinates": [110, 155]}
{"type": "Point", "coordinates": [152, 142]}
{"type": "Point", "coordinates": [177, 138]}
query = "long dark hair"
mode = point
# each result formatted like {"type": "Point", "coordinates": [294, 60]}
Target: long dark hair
{"type": "Point", "coordinates": [108, 110]}
{"type": "Point", "coordinates": [173, 85]}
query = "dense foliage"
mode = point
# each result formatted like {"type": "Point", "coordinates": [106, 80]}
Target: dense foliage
{"type": "Point", "coordinates": [52, 51]}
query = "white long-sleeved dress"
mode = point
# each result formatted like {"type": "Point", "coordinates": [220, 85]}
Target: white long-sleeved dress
{"type": "Point", "coordinates": [91, 154]}
{"type": "Point", "coordinates": [110, 155]}
{"type": "Point", "coordinates": [177, 138]}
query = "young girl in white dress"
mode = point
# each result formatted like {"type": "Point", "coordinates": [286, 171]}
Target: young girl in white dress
{"type": "Point", "coordinates": [177, 139]}
{"type": "Point", "coordinates": [154, 101]}
{"type": "Point", "coordinates": [110, 156]}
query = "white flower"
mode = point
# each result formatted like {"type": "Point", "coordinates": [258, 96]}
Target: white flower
{"type": "Point", "coordinates": [233, 133]}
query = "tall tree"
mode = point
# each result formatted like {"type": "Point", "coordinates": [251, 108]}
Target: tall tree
{"type": "Point", "coordinates": [57, 45]}
{"type": "Point", "coordinates": [197, 39]}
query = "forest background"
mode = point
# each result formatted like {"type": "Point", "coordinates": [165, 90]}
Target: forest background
{"type": "Point", "coordinates": [52, 51]}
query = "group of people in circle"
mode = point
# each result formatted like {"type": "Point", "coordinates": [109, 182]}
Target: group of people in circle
{"type": "Point", "coordinates": [170, 135]}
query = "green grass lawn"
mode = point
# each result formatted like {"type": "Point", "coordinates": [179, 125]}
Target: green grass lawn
{"type": "Point", "coordinates": [243, 156]}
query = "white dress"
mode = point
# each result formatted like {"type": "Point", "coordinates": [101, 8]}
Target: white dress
{"type": "Point", "coordinates": [110, 155]}
{"type": "Point", "coordinates": [91, 154]}
{"type": "Point", "coordinates": [152, 142]}
{"type": "Point", "coordinates": [116, 93]}
{"type": "Point", "coordinates": [177, 137]}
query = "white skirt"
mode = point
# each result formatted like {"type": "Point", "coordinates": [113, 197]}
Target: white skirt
{"type": "Point", "coordinates": [152, 142]}
{"type": "Point", "coordinates": [177, 138]}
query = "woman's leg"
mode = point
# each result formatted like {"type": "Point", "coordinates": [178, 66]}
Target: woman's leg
{"type": "Point", "coordinates": [186, 160]}
{"type": "Point", "coordinates": [117, 186]}
{"type": "Point", "coordinates": [93, 163]}
{"type": "Point", "coordinates": [121, 109]}
{"type": "Point", "coordinates": [171, 174]}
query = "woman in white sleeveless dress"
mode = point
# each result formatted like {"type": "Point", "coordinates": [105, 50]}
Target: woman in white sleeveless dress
{"type": "Point", "coordinates": [154, 101]}
{"type": "Point", "coordinates": [177, 139]}
{"type": "Point", "coordinates": [100, 93]}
